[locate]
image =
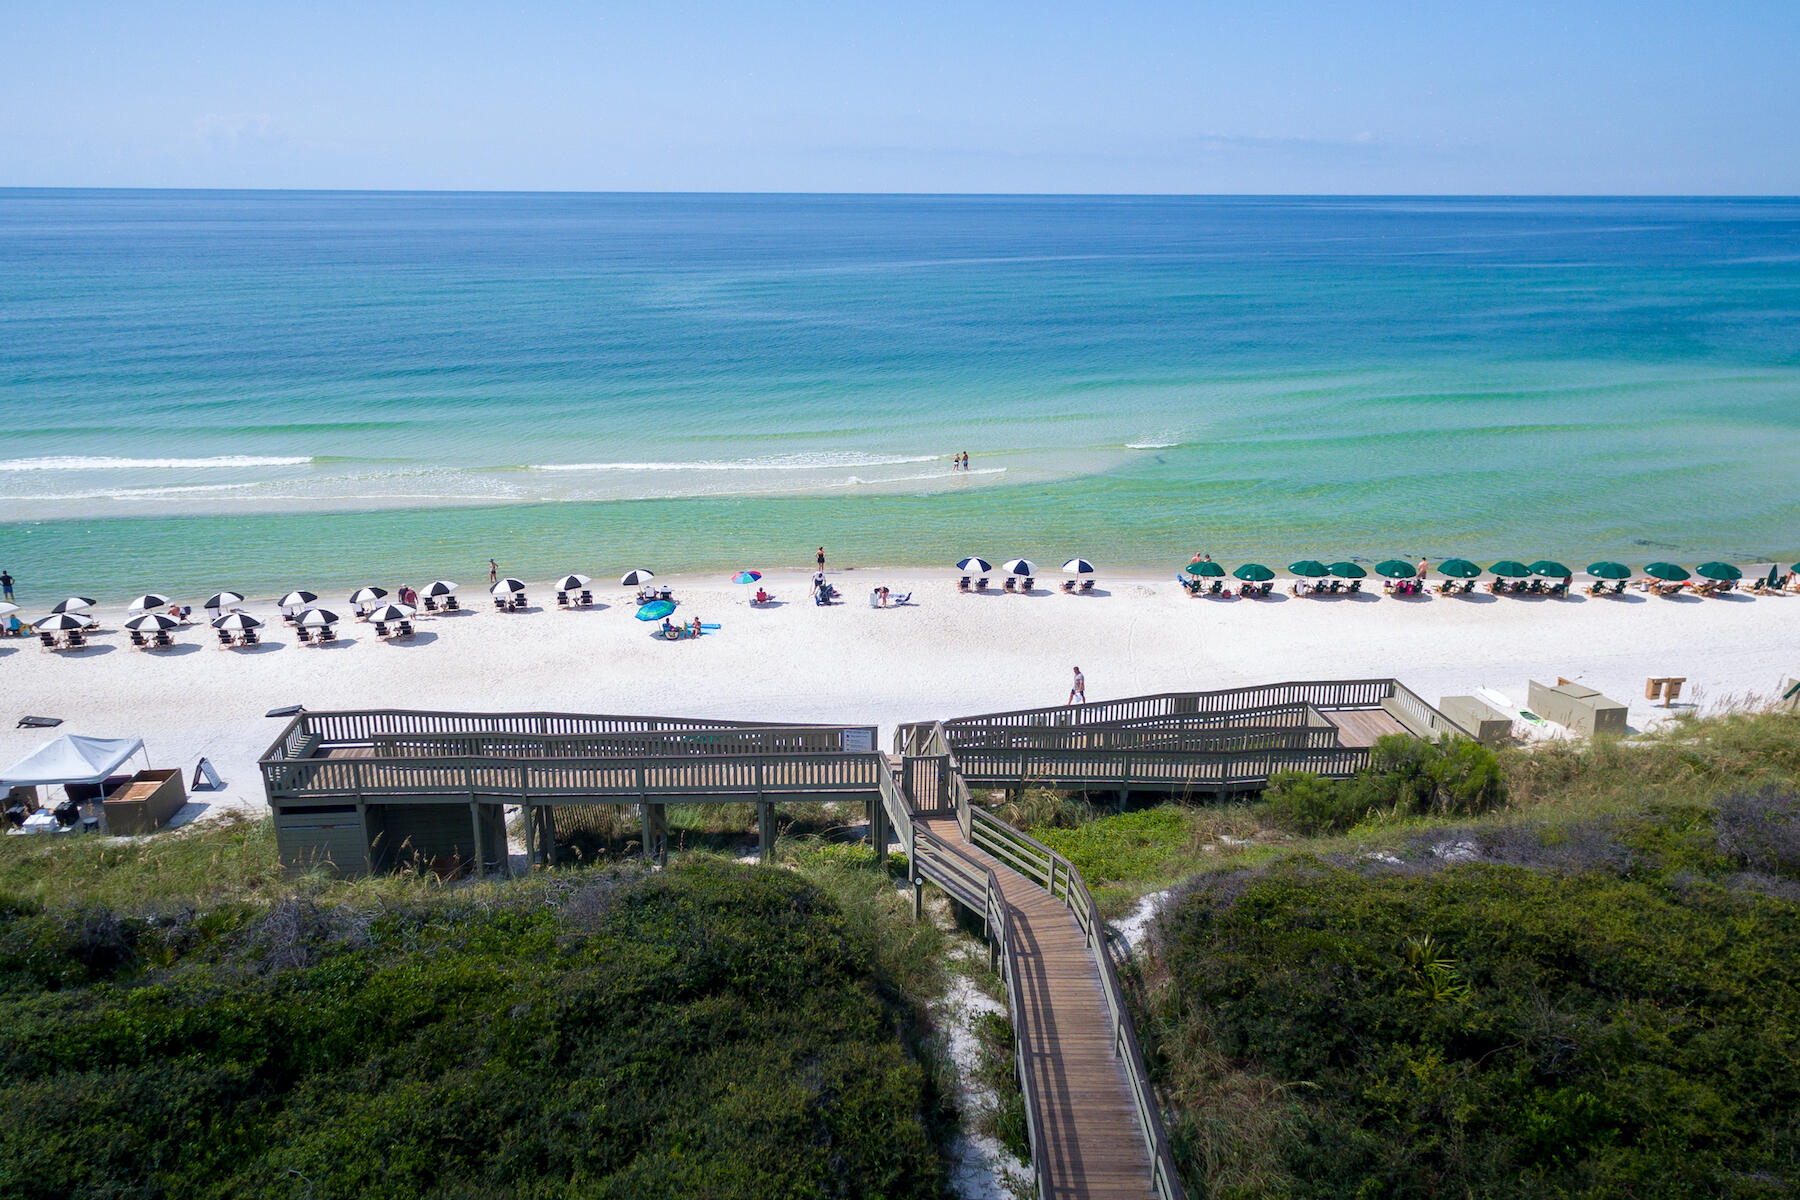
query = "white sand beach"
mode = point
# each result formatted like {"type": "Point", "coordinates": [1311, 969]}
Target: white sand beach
{"type": "Point", "coordinates": [943, 655]}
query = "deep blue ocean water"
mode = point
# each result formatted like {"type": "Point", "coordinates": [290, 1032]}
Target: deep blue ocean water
{"type": "Point", "coordinates": [250, 389]}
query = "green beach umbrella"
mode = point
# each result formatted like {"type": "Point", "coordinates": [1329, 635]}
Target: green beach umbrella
{"type": "Point", "coordinates": [1718, 570]}
{"type": "Point", "coordinates": [1609, 570]}
{"type": "Point", "coordinates": [1311, 568]}
{"type": "Point", "coordinates": [1254, 573]}
{"type": "Point", "coordinates": [1510, 568]}
{"type": "Point", "coordinates": [1668, 572]}
{"type": "Point", "coordinates": [1347, 570]}
{"type": "Point", "coordinates": [1774, 579]}
{"type": "Point", "coordinates": [1458, 568]}
{"type": "Point", "coordinates": [1393, 568]}
{"type": "Point", "coordinates": [1208, 569]}
{"type": "Point", "coordinates": [656, 610]}
{"type": "Point", "coordinates": [1551, 568]}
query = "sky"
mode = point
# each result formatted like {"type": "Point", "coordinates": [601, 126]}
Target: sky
{"type": "Point", "coordinates": [1580, 96]}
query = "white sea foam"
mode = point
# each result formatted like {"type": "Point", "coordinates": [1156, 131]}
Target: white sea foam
{"type": "Point", "coordinates": [1151, 445]}
{"type": "Point", "coordinates": [81, 462]}
{"type": "Point", "coordinates": [130, 493]}
{"type": "Point", "coordinates": [774, 462]}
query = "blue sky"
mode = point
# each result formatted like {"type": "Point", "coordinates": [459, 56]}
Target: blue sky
{"type": "Point", "coordinates": [1596, 97]}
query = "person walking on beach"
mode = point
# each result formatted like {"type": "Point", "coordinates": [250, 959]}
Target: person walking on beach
{"type": "Point", "coordinates": [1078, 690]}
{"type": "Point", "coordinates": [6, 582]}
{"type": "Point", "coordinates": [1422, 571]}
{"type": "Point", "coordinates": [493, 572]}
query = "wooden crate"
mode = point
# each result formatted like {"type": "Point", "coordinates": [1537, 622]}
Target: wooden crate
{"type": "Point", "coordinates": [145, 803]}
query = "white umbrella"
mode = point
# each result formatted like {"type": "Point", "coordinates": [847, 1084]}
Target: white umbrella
{"type": "Point", "coordinates": [7, 608]}
{"type": "Point", "coordinates": [73, 604]}
{"type": "Point", "coordinates": [392, 612]}
{"type": "Point", "coordinates": [1019, 566]}
{"type": "Point", "coordinates": [573, 583]}
{"type": "Point", "coordinates": [223, 600]}
{"type": "Point", "coordinates": [152, 621]}
{"type": "Point", "coordinates": [148, 601]}
{"type": "Point", "coordinates": [316, 618]}
{"type": "Point", "coordinates": [636, 578]}
{"type": "Point", "coordinates": [442, 587]}
{"type": "Point", "coordinates": [237, 622]}
{"type": "Point", "coordinates": [61, 622]}
{"type": "Point", "coordinates": [507, 587]}
{"type": "Point", "coordinates": [1078, 566]}
{"type": "Point", "coordinates": [974, 565]}
{"type": "Point", "coordinates": [296, 599]}
{"type": "Point", "coordinates": [368, 595]}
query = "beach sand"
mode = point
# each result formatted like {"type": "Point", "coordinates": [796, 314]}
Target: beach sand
{"type": "Point", "coordinates": [943, 656]}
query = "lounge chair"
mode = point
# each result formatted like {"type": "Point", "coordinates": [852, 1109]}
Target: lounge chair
{"type": "Point", "coordinates": [162, 640]}
{"type": "Point", "coordinates": [75, 639]}
{"type": "Point", "coordinates": [1028, 585]}
{"type": "Point", "coordinates": [1011, 584]}
{"type": "Point", "coordinates": [429, 603]}
{"type": "Point", "coordinates": [48, 638]}
{"type": "Point", "coordinates": [450, 604]}
{"type": "Point", "coordinates": [587, 597]}
{"type": "Point", "coordinates": [1218, 587]}
{"type": "Point", "coordinates": [562, 599]}
{"type": "Point", "coordinates": [896, 601]}
{"type": "Point", "coordinates": [404, 629]}
{"type": "Point", "coordinates": [250, 638]}
{"type": "Point", "coordinates": [303, 633]}
{"type": "Point", "coordinates": [137, 639]}
{"type": "Point", "coordinates": [224, 637]}
{"type": "Point", "coordinates": [962, 585]}
{"type": "Point", "coordinates": [500, 603]}
{"type": "Point", "coordinates": [981, 585]}
{"type": "Point", "coordinates": [1068, 585]}
{"type": "Point", "coordinates": [1087, 585]}
{"type": "Point", "coordinates": [1355, 586]}
{"type": "Point", "coordinates": [381, 629]}
{"type": "Point", "coordinates": [327, 634]}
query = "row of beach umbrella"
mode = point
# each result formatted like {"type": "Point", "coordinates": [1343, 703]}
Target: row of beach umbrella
{"type": "Point", "coordinates": [974, 565]}
{"type": "Point", "coordinates": [1462, 568]}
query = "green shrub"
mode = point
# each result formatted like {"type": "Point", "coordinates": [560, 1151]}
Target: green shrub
{"type": "Point", "coordinates": [1405, 776]}
{"type": "Point", "coordinates": [1304, 803]}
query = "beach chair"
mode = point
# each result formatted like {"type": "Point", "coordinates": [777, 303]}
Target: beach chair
{"type": "Point", "coordinates": [381, 629]}
{"type": "Point", "coordinates": [1011, 584]}
{"type": "Point", "coordinates": [137, 639]}
{"type": "Point", "coordinates": [587, 597]}
{"type": "Point", "coordinates": [500, 603]}
{"type": "Point", "coordinates": [1028, 585]}
{"type": "Point", "coordinates": [430, 604]}
{"type": "Point", "coordinates": [327, 634]}
{"type": "Point", "coordinates": [1087, 585]}
{"type": "Point", "coordinates": [1218, 587]}
{"type": "Point", "coordinates": [303, 633]}
{"type": "Point", "coordinates": [962, 585]}
{"type": "Point", "coordinates": [450, 604]}
{"type": "Point", "coordinates": [1355, 586]}
{"type": "Point", "coordinates": [250, 638]}
{"type": "Point", "coordinates": [1068, 585]}
{"type": "Point", "coordinates": [404, 629]}
{"type": "Point", "coordinates": [897, 601]}
{"type": "Point", "coordinates": [224, 637]}
{"type": "Point", "coordinates": [163, 641]}
{"type": "Point", "coordinates": [75, 639]}
{"type": "Point", "coordinates": [562, 599]}
{"type": "Point", "coordinates": [48, 638]}
{"type": "Point", "coordinates": [981, 585]}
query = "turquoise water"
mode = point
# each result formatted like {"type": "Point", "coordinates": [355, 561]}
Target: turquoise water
{"type": "Point", "coordinates": [256, 390]}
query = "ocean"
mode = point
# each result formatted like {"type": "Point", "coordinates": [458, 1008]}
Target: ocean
{"type": "Point", "coordinates": [259, 390]}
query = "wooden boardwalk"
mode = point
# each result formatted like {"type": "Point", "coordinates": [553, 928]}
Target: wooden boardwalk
{"type": "Point", "coordinates": [1092, 1141]}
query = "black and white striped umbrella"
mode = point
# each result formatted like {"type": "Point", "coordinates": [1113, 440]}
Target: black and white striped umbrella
{"type": "Point", "coordinates": [237, 622]}
{"type": "Point", "coordinates": [74, 604]}
{"type": "Point", "coordinates": [507, 587]}
{"type": "Point", "coordinates": [1078, 566]}
{"type": "Point", "coordinates": [296, 599]}
{"type": "Point", "coordinates": [974, 565]}
{"type": "Point", "coordinates": [367, 595]}
{"type": "Point", "coordinates": [636, 578]}
{"type": "Point", "coordinates": [442, 587]}
{"type": "Point", "coordinates": [223, 600]}
{"type": "Point", "coordinates": [1019, 566]}
{"type": "Point", "coordinates": [62, 622]}
{"type": "Point", "coordinates": [573, 583]}
{"type": "Point", "coordinates": [152, 622]}
{"type": "Point", "coordinates": [148, 601]}
{"type": "Point", "coordinates": [316, 618]}
{"type": "Point", "coordinates": [392, 612]}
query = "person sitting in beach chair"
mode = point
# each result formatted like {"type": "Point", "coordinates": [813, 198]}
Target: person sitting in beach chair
{"type": "Point", "coordinates": [1087, 585]}
{"type": "Point", "coordinates": [962, 585]}
{"type": "Point", "coordinates": [1030, 583]}
{"type": "Point", "coordinates": [1068, 585]}
{"type": "Point", "coordinates": [1011, 584]}
{"type": "Point", "coordinates": [450, 604]}
{"type": "Point", "coordinates": [763, 597]}
{"type": "Point", "coordinates": [981, 585]}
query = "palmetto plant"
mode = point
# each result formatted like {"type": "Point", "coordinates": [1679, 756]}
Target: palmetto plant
{"type": "Point", "coordinates": [1433, 971]}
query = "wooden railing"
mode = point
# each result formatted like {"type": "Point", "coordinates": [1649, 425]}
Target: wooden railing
{"type": "Point", "coordinates": [1346, 693]}
{"type": "Point", "coordinates": [1163, 769]}
{"type": "Point", "coordinates": [689, 743]}
{"type": "Point", "coordinates": [602, 780]}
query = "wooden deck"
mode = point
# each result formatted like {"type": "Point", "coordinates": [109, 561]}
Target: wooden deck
{"type": "Point", "coordinates": [1360, 727]}
{"type": "Point", "coordinates": [1091, 1137]}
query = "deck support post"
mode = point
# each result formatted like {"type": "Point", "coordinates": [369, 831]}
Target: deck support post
{"type": "Point", "coordinates": [547, 835]}
{"type": "Point", "coordinates": [656, 833]}
{"type": "Point", "coordinates": [765, 831]}
{"type": "Point", "coordinates": [475, 827]}
{"type": "Point", "coordinates": [878, 828]}
{"type": "Point", "coordinates": [528, 819]}
{"type": "Point", "coordinates": [918, 891]}
{"type": "Point", "coordinates": [1124, 798]}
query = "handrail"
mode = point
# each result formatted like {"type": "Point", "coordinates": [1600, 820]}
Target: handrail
{"type": "Point", "coordinates": [1338, 693]}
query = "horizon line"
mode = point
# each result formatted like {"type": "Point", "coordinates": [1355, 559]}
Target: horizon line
{"type": "Point", "coordinates": [769, 192]}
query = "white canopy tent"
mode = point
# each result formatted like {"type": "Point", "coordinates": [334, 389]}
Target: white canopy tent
{"type": "Point", "coordinates": [72, 758]}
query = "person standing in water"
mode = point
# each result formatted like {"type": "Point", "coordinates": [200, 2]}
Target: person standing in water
{"type": "Point", "coordinates": [820, 558]}
{"type": "Point", "coordinates": [493, 572]}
